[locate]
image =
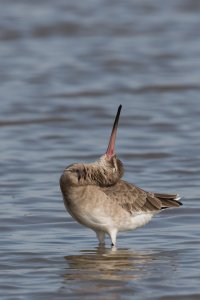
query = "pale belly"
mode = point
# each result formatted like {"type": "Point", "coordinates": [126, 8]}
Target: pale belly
{"type": "Point", "coordinates": [135, 221]}
{"type": "Point", "coordinates": [95, 219]}
{"type": "Point", "coordinates": [102, 214]}
{"type": "Point", "coordinates": [100, 220]}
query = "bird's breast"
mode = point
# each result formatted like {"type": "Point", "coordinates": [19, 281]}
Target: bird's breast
{"type": "Point", "coordinates": [89, 206]}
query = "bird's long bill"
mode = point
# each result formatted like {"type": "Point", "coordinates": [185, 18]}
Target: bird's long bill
{"type": "Point", "coordinates": [111, 146]}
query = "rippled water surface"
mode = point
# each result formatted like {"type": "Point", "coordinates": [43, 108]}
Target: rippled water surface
{"type": "Point", "coordinates": [65, 67]}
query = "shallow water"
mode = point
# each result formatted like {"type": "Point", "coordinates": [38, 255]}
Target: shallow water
{"type": "Point", "coordinates": [65, 67]}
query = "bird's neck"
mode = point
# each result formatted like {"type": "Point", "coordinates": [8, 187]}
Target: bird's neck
{"type": "Point", "coordinates": [101, 175]}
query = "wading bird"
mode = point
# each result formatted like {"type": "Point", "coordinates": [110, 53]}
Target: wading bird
{"type": "Point", "coordinates": [96, 196]}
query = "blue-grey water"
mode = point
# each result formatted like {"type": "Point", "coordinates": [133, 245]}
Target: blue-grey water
{"type": "Point", "coordinates": [65, 66]}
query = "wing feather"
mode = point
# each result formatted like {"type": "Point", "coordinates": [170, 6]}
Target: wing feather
{"type": "Point", "coordinates": [132, 198]}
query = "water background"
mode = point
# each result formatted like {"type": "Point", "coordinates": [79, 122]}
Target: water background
{"type": "Point", "coordinates": [65, 66]}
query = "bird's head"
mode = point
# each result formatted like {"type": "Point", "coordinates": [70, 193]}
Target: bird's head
{"type": "Point", "coordinates": [104, 172]}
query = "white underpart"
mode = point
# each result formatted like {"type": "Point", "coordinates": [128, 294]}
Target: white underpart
{"type": "Point", "coordinates": [136, 220]}
{"type": "Point", "coordinates": [131, 223]}
{"type": "Point", "coordinates": [102, 224]}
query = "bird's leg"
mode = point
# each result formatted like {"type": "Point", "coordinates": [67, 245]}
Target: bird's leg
{"type": "Point", "coordinates": [101, 237]}
{"type": "Point", "coordinates": [113, 236]}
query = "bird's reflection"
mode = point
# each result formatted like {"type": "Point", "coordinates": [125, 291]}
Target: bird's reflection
{"type": "Point", "coordinates": [116, 273]}
{"type": "Point", "coordinates": [108, 264]}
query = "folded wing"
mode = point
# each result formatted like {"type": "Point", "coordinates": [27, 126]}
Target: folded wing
{"type": "Point", "coordinates": [133, 199]}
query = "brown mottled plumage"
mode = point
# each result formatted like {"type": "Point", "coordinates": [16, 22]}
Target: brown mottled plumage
{"type": "Point", "coordinates": [96, 196]}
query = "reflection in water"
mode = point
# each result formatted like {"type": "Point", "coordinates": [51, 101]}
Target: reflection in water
{"type": "Point", "coordinates": [108, 264]}
{"type": "Point", "coordinates": [114, 272]}
{"type": "Point", "coordinates": [105, 272]}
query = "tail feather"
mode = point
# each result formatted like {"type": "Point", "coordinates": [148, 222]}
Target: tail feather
{"type": "Point", "coordinates": [169, 200]}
